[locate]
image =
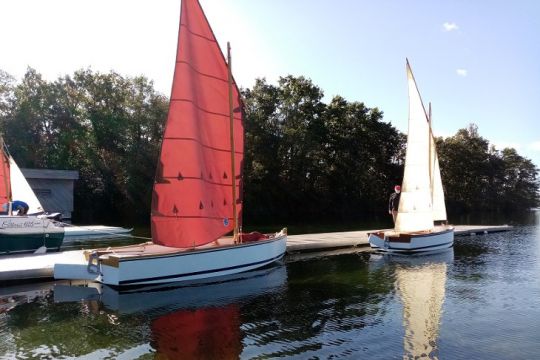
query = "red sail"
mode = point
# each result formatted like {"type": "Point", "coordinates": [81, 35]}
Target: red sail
{"type": "Point", "coordinates": [192, 198]}
{"type": "Point", "coordinates": [5, 179]}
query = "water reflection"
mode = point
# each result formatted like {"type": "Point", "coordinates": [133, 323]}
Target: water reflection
{"type": "Point", "coordinates": [420, 284]}
{"type": "Point", "coordinates": [198, 321]}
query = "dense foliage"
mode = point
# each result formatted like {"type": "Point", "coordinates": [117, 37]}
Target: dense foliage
{"type": "Point", "coordinates": [305, 159]}
{"type": "Point", "coordinates": [105, 126]}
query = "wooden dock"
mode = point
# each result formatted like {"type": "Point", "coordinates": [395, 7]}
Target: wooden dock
{"type": "Point", "coordinates": [20, 267]}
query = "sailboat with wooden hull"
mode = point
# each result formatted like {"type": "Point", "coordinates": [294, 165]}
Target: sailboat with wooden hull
{"type": "Point", "coordinates": [421, 220]}
{"type": "Point", "coordinates": [197, 192]}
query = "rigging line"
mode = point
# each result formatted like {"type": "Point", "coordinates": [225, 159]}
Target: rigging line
{"type": "Point", "coordinates": [203, 145]}
{"type": "Point", "coordinates": [203, 110]}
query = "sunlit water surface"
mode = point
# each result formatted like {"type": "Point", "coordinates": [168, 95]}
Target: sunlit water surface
{"type": "Point", "coordinates": [481, 300]}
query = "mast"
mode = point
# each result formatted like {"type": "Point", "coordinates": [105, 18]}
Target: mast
{"type": "Point", "coordinates": [233, 170]}
{"type": "Point", "coordinates": [431, 153]}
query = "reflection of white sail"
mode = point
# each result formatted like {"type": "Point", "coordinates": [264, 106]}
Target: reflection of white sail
{"type": "Point", "coordinates": [21, 190]}
{"type": "Point", "coordinates": [421, 288]}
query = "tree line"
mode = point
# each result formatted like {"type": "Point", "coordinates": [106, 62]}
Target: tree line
{"type": "Point", "coordinates": [305, 160]}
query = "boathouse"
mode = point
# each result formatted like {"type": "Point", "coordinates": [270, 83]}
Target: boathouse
{"type": "Point", "coordinates": [53, 188]}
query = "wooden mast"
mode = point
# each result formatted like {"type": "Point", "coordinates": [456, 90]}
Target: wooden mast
{"type": "Point", "coordinates": [233, 170]}
{"type": "Point", "coordinates": [431, 156]}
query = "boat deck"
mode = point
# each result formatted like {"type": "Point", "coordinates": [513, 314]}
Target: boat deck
{"type": "Point", "coordinates": [18, 267]}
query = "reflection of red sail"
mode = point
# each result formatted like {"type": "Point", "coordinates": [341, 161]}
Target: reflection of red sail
{"type": "Point", "coordinates": [192, 199]}
{"type": "Point", "coordinates": [207, 333]}
{"type": "Point", "coordinates": [5, 182]}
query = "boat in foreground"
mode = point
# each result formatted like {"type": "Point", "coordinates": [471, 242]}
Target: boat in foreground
{"type": "Point", "coordinates": [151, 263]}
{"type": "Point", "coordinates": [197, 197]}
{"type": "Point", "coordinates": [421, 222]}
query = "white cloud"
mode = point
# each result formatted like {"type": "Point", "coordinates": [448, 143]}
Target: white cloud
{"type": "Point", "coordinates": [461, 72]}
{"type": "Point", "coordinates": [448, 26]}
{"type": "Point", "coordinates": [534, 146]}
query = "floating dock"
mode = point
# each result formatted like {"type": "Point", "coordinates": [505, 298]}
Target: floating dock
{"type": "Point", "coordinates": [20, 267]}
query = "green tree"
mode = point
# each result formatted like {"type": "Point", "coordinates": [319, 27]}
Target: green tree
{"type": "Point", "coordinates": [477, 177]}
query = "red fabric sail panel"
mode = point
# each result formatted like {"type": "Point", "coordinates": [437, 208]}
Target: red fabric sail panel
{"type": "Point", "coordinates": [192, 199]}
{"type": "Point", "coordinates": [5, 179]}
{"type": "Point", "coordinates": [207, 333]}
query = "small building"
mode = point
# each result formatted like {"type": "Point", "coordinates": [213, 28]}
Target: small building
{"type": "Point", "coordinates": [53, 188]}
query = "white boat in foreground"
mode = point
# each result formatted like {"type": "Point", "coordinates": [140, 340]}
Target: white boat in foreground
{"type": "Point", "coordinates": [197, 191]}
{"type": "Point", "coordinates": [421, 220]}
{"type": "Point", "coordinates": [151, 263]}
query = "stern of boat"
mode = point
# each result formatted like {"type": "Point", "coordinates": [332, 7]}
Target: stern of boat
{"type": "Point", "coordinates": [376, 240]}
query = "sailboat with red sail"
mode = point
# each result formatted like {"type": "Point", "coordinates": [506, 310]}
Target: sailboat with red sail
{"type": "Point", "coordinates": [196, 199]}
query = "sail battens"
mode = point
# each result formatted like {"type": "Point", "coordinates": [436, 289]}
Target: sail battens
{"type": "Point", "coordinates": [192, 217]}
{"type": "Point", "coordinates": [210, 39]}
{"type": "Point", "coordinates": [228, 151]}
{"type": "Point", "coordinates": [206, 111]}
{"type": "Point", "coordinates": [196, 178]}
{"type": "Point", "coordinates": [200, 72]}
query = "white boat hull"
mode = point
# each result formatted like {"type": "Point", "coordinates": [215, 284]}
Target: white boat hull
{"type": "Point", "coordinates": [439, 239]}
{"type": "Point", "coordinates": [162, 266]}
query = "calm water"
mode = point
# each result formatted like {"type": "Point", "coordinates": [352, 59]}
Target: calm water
{"type": "Point", "coordinates": [481, 300]}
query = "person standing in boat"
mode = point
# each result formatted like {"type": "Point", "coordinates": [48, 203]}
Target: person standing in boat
{"type": "Point", "coordinates": [17, 205]}
{"type": "Point", "coordinates": [393, 203]}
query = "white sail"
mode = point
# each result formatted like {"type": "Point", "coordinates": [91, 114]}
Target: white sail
{"type": "Point", "coordinates": [437, 192]}
{"type": "Point", "coordinates": [21, 190]}
{"type": "Point", "coordinates": [439, 207]}
{"type": "Point", "coordinates": [415, 212]}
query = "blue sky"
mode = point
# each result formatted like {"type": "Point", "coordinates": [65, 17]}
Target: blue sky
{"type": "Point", "coordinates": [476, 61]}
